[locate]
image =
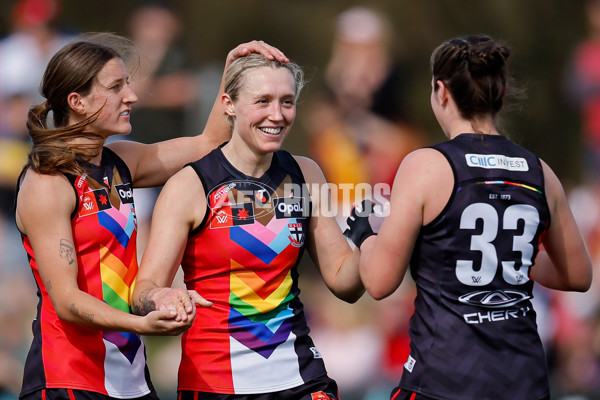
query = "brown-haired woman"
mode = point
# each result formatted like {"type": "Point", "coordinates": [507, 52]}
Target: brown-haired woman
{"type": "Point", "coordinates": [76, 213]}
{"type": "Point", "coordinates": [469, 216]}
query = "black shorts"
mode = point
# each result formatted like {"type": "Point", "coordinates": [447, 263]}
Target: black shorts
{"type": "Point", "coordinates": [399, 394]}
{"type": "Point", "coordinates": [72, 394]}
{"type": "Point", "coordinates": [323, 388]}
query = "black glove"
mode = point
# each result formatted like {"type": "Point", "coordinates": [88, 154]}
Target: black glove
{"type": "Point", "coordinates": [358, 223]}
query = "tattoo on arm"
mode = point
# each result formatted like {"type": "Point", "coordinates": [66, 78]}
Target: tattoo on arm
{"type": "Point", "coordinates": [66, 251]}
{"type": "Point", "coordinates": [82, 314]}
{"type": "Point", "coordinates": [145, 304]}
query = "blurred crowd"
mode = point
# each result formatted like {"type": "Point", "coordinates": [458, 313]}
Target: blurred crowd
{"type": "Point", "coordinates": [359, 130]}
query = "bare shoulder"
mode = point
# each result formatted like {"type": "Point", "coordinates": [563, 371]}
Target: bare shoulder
{"type": "Point", "coordinates": [182, 199]}
{"type": "Point", "coordinates": [425, 164]}
{"type": "Point", "coordinates": [41, 186]}
{"type": "Point", "coordinates": [553, 188]}
{"type": "Point", "coordinates": [422, 156]}
{"type": "Point", "coordinates": [424, 181]}
{"type": "Point", "coordinates": [43, 197]}
{"type": "Point", "coordinates": [310, 169]}
{"type": "Point", "coordinates": [184, 184]}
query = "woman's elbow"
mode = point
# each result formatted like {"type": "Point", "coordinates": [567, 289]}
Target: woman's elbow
{"type": "Point", "coordinates": [66, 312]}
{"type": "Point", "coordinates": [582, 284]}
{"type": "Point", "coordinates": [350, 297]}
{"type": "Point", "coordinates": [378, 292]}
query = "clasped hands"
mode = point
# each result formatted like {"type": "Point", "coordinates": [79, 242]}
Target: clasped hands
{"type": "Point", "coordinates": [173, 308]}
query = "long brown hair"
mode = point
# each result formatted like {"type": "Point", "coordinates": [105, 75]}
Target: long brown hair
{"type": "Point", "coordinates": [74, 68]}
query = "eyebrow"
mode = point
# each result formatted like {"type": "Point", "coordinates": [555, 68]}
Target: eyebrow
{"type": "Point", "coordinates": [113, 82]}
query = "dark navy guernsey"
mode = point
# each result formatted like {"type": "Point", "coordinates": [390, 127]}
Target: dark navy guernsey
{"type": "Point", "coordinates": [474, 332]}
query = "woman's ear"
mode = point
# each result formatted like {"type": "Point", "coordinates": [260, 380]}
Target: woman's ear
{"type": "Point", "coordinates": [76, 103]}
{"type": "Point", "coordinates": [228, 105]}
{"type": "Point", "coordinates": [442, 93]}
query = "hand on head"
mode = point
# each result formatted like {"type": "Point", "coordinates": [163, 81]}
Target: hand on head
{"type": "Point", "coordinates": [256, 46]}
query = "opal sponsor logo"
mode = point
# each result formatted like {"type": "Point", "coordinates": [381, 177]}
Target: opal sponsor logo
{"type": "Point", "coordinates": [290, 207]}
{"type": "Point", "coordinates": [125, 192]}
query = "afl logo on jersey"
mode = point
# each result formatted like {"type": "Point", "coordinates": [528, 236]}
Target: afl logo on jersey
{"type": "Point", "coordinates": [125, 192]}
{"type": "Point", "coordinates": [232, 193]}
{"type": "Point", "coordinates": [494, 298]}
{"type": "Point", "coordinates": [94, 201]}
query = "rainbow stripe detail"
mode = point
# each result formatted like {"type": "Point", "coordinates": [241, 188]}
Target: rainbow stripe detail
{"type": "Point", "coordinates": [508, 183]}
{"type": "Point", "coordinates": [117, 270]}
{"type": "Point", "coordinates": [260, 314]}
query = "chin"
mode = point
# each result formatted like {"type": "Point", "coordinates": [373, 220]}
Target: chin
{"type": "Point", "coordinates": [272, 147]}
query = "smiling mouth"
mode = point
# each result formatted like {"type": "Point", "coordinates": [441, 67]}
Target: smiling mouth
{"type": "Point", "coordinates": [272, 131]}
{"type": "Point", "coordinates": [125, 113]}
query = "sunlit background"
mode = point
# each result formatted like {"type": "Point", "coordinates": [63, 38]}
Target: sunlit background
{"type": "Point", "coordinates": [339, 124]}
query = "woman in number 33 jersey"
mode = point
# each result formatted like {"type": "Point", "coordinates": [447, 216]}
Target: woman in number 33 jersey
{"type": "Point", "coordinates": [470, 216]}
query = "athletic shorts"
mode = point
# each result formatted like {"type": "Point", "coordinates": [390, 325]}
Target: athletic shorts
{"type": "Point", "coordinates": [69, 394]}
{"type": "Point", "coordinates": [323, 388]}
{"type": "Point", "coordinates": [399, 394]}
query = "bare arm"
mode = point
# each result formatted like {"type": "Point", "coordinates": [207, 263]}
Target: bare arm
{"type": "Point", "coordinates": [179, 208]}
{"type": "Point", "coordinates": [152, 164]}
{"type": "Point", "coordinates": [326, 244]}
{"type": "Point", "coordinates": [385, 258]}
{"type": "Point", "coordinates": [566, 264]}
{"type": "Point", "coordinates": [47, 224]}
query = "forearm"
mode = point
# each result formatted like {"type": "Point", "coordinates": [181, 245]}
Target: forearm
{"type": "Point", "coordinates": [81, 308]}
{"type": "Point", "coordinates": [347, 285]}
{"type": "Point", "coordinates": [547, 274]}
{"type": "Point", "coordinates": [381, 272]}
{"type": "Point", "coordinates": [142, 297]}
{"type": "Point", "coordinates": [217, 129]}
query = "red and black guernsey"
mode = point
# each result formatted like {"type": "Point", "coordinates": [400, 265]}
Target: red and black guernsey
{"type": "Point", "coordinates": [65, 355]}
{"type": "Point", "coordinates": [243, 258]}
{"type": "Point", "coordinates": [474, 332]}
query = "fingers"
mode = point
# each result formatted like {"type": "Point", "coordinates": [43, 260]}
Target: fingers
{"type": "Point", "coordinates": [196, 298]}
{"type": "Point", "coordinates": [176, 302]}
{"type": "Point", "coordinates": [258, 46]}
{"type": "Point", "coordinates": [162, 323]}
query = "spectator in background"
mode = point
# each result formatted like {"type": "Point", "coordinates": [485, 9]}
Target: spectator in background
{"type": "Point", "coordinates": [166, 87]}
{"type": "Point", "coordinates": [576, 366]}
{"type": "Point", "coordinates": [28, 48]}
{"type": "Point", "coordinates": [359, 132]}
{"type": "Point", "coordinates": [583, 87]}
{"type": "Point", "coordinates": [24, 53]}
{"type": "Point", "coordinates": [357, 127]}
{"type": "Point", "coordinates": [167, 84]}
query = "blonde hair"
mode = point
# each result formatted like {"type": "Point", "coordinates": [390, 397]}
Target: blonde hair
{"type": "Point", "coordinates": [236, 74]}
